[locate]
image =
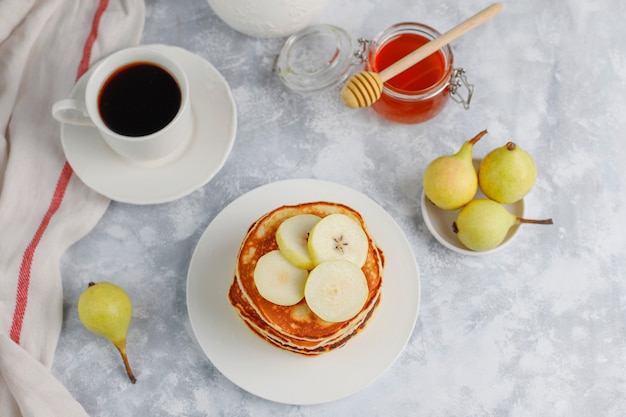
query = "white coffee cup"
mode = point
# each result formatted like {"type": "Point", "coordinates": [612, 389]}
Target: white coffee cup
{"type": "Point", "coordinates": [163, 134]}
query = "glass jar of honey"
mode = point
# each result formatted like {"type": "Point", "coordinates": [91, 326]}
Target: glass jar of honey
{"type": "Point", "coordinates": [323, 57]}
{"type": "Point", "coordinates": [420, 92]}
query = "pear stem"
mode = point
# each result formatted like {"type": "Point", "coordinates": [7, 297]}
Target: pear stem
{"type": "Point", "coordinates": [477, 137]}
{"type": "Point", "coordinates": [546, 221]}
{"type": "Point", "coordinates": [510, 146]}
{"type": "Point", "coordinates": [122, 349]}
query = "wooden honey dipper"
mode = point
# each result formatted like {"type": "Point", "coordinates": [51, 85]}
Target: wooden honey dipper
{"type": "Point", "coordinates": [364, 88]}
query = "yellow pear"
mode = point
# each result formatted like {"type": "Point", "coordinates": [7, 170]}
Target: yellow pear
{"type": "Point", "coordinates": [450, 181]}
{"type": "Point", "coordinates": [105, 309]}
{"type": "Point", "coordinates": [507, 174]}
{"type": "Point", "coordinates": [483, 224]}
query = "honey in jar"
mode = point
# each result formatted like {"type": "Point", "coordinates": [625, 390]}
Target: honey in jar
{"type": "Point", "coordinates": [322, 57]}
{"type": "Point", "coordinates": [420, 92]}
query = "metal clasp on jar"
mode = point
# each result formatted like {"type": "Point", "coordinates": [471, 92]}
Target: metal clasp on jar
{"type": "Point", "coordinates": [460, 80]}
{"type": "Point", "coordinates": [361, 53]}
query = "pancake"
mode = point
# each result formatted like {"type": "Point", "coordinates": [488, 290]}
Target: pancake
{"type": "Point", "coordinates": [296, 328]}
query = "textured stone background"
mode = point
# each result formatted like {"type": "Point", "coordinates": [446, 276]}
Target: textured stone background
{"type": "Point", "coordinates": [536, 329]}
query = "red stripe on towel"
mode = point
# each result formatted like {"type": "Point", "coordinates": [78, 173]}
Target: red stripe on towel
{"type": "Point", "coordinates": [29, 254]}
{"type": "Point", "coordinates": [84, 63]}
{"type": "Point", "coordinates": [23, 283]}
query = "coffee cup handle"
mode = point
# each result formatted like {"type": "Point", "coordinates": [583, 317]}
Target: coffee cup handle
{"type": "Point", "coordinates": [71, 111]}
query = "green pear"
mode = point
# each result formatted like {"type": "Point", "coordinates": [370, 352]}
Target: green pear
{"type": "Point", "coordinates": [507, 174]}
{"type": "Point", "coordinates": [450, 181]}
{"type": "Point", "coordinates": [105, 309]}
{"type": "Point", "coordinates": [483, 224]}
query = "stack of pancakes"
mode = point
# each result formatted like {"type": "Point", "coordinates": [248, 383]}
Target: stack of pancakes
{"type": "Point", "coordinates": [296, 328]}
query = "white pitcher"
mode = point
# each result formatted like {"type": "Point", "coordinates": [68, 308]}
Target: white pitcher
{"type": "Point", "coordinates": [268, 18]}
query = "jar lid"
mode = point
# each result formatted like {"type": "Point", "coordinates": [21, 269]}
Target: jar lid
{"type": "Point", "coordinates": [315, 59]}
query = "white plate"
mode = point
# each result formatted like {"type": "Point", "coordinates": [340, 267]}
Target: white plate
{"type": "Point", "coordinates": [265, 370]}
{"type": "Point", "coordinates": [215, 125]}
{"type": "Point", "coordinates": [439, 223]}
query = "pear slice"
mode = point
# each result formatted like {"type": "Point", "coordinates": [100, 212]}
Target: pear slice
{"type": "Point", "coordinates": [292, 237]}
{"type": "Point", "coordinates": [338, 236]}
{"type": "Point", "coordinates": [278, 280]}
{"type": "Point", "coordinates": [336, 290]}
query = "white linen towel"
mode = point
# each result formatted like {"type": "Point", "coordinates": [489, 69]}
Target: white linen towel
{"type": "Point", "coordinates": [45, 46]}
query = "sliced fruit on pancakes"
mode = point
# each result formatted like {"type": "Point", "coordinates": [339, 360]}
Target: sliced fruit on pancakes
{"type": "Point", "coordinates": [292, 237]}
{"type": "Point", "coordinates": [336, 290]}
{"type": "Point", "coordinates": [297, 328]}
{"type": "Point", "coordinates": [338, 236]}
{"type": "Point", "coordinates": [278, 280]}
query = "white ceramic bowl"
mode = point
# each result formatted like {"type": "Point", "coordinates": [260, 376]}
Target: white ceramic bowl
{"type": "Point", "coordinates": [439, 223]}
{"type": "Point", "coordinates": [268, 18]}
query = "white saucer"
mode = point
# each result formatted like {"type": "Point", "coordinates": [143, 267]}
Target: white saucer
{"type": "Point", "coordinates": [215, 126]}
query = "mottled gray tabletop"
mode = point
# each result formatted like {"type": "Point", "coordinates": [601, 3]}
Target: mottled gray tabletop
{"type": "Point", "coordinates": [535, 329]}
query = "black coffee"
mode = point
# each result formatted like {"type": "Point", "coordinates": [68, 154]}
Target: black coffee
{"type": "Point", "coordinates": [139, 99]}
